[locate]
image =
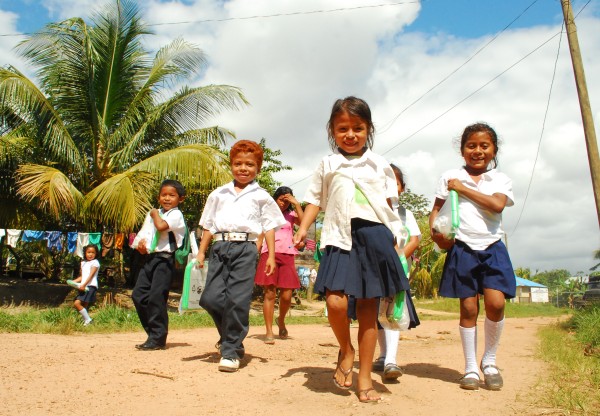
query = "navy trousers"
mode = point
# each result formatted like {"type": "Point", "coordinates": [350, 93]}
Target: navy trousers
{"type": "Point", "coordinates": [228, 292]}
{"type": "Point", "coordinates": [150, 296]}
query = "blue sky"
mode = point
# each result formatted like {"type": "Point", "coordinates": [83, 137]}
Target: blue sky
{"type": "Point", "coordinates": [427, 69]}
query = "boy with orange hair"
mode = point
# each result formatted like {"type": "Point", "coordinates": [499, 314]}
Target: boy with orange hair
{"type": "Point", "coordinates": [234, 215]}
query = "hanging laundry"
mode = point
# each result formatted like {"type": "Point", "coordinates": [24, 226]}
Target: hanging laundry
{"type": "Point", "coordinates": [2, 233]}
{"type": "Point", "coordinates": [119, 240]}
{"type": "Point", "coordinates": [131, 238]}
{"type": "Point", "coordinates": [31, 235]}
{"type": "Point", "coordinates": [55, 240]}
{"type": "Point", "coordinates": [95, 238]}
{"type": "Point", "coordinates": [108, 242]}
{"type": "Point", "coordinates": [83, 239]}
{"type": "Point", "coordinates": [71, 242]}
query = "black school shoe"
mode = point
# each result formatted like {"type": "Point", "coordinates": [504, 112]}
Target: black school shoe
{"type": "Point", "coordinates": [151, 346]}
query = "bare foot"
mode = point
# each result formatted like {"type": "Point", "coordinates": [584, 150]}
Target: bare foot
{"type": "Point", "coordinates": [342, 377]}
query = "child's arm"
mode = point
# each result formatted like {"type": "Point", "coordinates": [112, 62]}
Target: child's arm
{"type": "Point", "coordinates": [410, 247]}
{"type": "Point", "coordinates": [495, 202]}
{"type": "Point", "coordinates": [438, 238]}
{"type": "Point", "coordinates": [297, 208]}
{"type": "Point", "coordinates": [93, 271]}
{"type": "Point", "coordinates": [204, 243]}
{"type": "Point", "coordinates": [310, 214]}
{"type": "Point", "coordinates": [259, 241]}
{"type": "Point", "coordinates": [159, 223]}
{"type": "Point", "coordinates": [270, 239]}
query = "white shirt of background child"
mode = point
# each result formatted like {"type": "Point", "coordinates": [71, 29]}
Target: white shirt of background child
{"type": "Point", "coordinates": [251, 211]}
{"type": "Point", "coordinates": [86, 267]}
{"type": "Point", "coordinates": [479, 227]}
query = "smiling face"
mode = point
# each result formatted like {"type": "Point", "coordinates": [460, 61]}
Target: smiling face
{"type": "Point", "coordinates": [478, 151]}
{"type": "Point", "coordinates": [350, 133]}
{"type": "Point", "coordinates": [244, 168]}
{"type": "Point", "coordinates": [169, 198]}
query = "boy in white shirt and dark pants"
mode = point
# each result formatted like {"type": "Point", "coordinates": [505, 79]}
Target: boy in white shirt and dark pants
{"type": "Point", "coordinates": [234, 215]}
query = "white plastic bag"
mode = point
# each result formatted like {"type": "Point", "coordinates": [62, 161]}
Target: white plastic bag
{"type": "Point", "coordinates": [194, 280]}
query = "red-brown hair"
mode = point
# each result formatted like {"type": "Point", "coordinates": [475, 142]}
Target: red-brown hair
{"type": "Point", "coordinates": [247, 146]}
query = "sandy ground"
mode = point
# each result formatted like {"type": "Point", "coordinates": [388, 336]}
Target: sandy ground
{"type": "Point", "coordinates": [103, 374]}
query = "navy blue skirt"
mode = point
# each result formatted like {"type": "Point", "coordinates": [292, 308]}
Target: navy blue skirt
{"type": "Point", "coordinates": [467, 272]}
{"type": "Point", "coordinates": [371, 269]}
{"type": "Point", "coordinates": [89, 296]}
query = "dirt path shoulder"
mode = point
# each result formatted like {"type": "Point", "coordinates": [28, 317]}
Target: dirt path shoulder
{"type": "Point", "coordinates": [103, 374]}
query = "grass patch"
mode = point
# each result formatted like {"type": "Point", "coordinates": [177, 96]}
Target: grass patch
{"type": "Point", "coordinates": [513, 310]}
{"type": "Point", "coordinates": [572, 352]}
{"type": "Point", "coordinates": [112, 318]}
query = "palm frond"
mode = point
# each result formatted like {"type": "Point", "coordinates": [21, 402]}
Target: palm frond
{"type": "Point", "coordinates": [122, 201]}
{"type": "Point", "coordinates": [25, 99]}
{"type": "Point", "coordinates": [51, 188]}
{"type": "Point", "coordinates": [214, 136]}
{"type": "Point", "coordinates": [192, 165]}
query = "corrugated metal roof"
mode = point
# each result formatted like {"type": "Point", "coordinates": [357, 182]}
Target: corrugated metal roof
{"type": "Point", "coordinates": [525, 282]}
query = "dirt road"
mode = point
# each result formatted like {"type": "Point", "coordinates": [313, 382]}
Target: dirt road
{"type": "Point", "coordinates": [103, 374]}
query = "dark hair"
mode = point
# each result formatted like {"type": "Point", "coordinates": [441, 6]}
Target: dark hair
{"type": "Point", "coordinates": [95, 247]}
{"type": "Point", "coordinates": [355, 107]}
{"type": "Point", "coordinates": [399, 174]}
{"type": "Point", "coordinates": [247, 146]}
{"type": "Point", "coordinates": [480, 128]}
{"type": "Point", "coordinates": [174, 184]}
{"type": "Point", "coordinates": [282, 190]}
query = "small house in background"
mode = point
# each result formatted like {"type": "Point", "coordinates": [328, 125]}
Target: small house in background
{"type": "Point", "coordinates": [530, 292]}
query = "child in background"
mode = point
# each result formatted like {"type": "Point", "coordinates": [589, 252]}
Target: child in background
{"type": "Point", "coordinates": [151, 290]}
{"type": "Point", "coordinates": [88, 279]}
{"type": "Point", "coordinates": [389, 338]}
{"type": "Point", "coordinates": [356, 188]}
{"type": "Point", "coordinates": [234, 215]}
{"type": "Point", "coordinates": [477, 262]}
{"type": "Point", "coordinates": [285, 278]}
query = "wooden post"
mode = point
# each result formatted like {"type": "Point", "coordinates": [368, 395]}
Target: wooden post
{"type": "Point", "coordinates": [584, 102]}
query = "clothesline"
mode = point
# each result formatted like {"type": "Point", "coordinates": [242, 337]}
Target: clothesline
{"type": "Point", "coordinates": [75, 241]}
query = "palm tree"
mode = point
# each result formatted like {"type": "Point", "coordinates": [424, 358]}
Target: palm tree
{"type": "Point", "coordinates": [92, 142]}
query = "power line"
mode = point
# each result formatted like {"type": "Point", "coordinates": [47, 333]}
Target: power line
{"type": "Point", "coordinates": [267, 16]}
{"type": "Point", "coordinates": [537, 154]}
{"type": "Point", "coordinates": [470, 95]}
{"type": "Point", "coordinates": [390, 123]}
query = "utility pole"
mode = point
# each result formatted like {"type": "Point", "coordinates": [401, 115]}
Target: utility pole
{"type": "Point", "coordinates": [584, 102]}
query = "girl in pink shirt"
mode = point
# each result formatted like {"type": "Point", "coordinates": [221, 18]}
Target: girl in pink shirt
{"type": "Point", "coordinates": [285, 278]}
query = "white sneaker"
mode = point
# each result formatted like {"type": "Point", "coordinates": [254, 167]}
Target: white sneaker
{"type": "Point", "coordinates": [86, 323]}
{"type": "Point", "coordinates": [229, 365]}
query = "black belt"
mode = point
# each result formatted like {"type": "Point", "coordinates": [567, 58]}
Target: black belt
{"type": "Point", "coordinates": [161, 254]}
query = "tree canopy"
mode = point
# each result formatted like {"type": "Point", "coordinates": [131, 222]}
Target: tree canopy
{"type": "Point", "coordinates": [92, 137]}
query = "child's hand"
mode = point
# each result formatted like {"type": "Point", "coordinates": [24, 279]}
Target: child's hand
{"type": "Point", "coordinates": [299, 236]}
{"type": "Point", "coordinates": [290, 198]}
{"type": "Point", "coordinates": [200, 260]}
{"type": "Point", "coordinates": [81, 288]}
{"type": "Point", "coordinates": [154, 213]}
{"type": "Point", "coordinates": [270, 266]}
{"type": "Point", "coordinates": [142, 247]}
{"type": "Point", "coordinates": [455, 185]}
{"type": "Point", "coordinates": [441, 241]}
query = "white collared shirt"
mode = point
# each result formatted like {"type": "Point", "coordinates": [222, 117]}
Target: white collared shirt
{"type": "Point", "coordinates": [251, 211]}
{"type": "Point", "coordinates": [333, 188]}
{"type": "Point", "coordinates": [176, 222]}
{"type": "Point", "coordinates": [479, 227]}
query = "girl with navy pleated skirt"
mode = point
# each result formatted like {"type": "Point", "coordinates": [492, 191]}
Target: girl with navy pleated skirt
{"type": "Point", "coordinates": [356, 188]}
{"type": "Point", "coordinates": [477, 262]}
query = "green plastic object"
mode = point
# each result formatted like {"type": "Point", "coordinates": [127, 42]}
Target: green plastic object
{"type": "Point", "coordinates": [399, 305]}
{"type": "Point", "coordinates": [404, 264]}
{"type": "Point", "coordinates": [185, 294]}
{"type": "Point", "coordinates": [455, 219]}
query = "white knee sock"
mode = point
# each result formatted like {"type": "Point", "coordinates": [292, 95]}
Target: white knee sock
{"type": "Point", "coordinates": [392, 337]}
{"type": "Point", "coordinates": [468, 337]}
{"type": "Point", "coordinates": [84, 313]}
{"type": "Point", "coordinates": [493, 330]}
{"type": "Point", "coordinates": [382, 343]}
